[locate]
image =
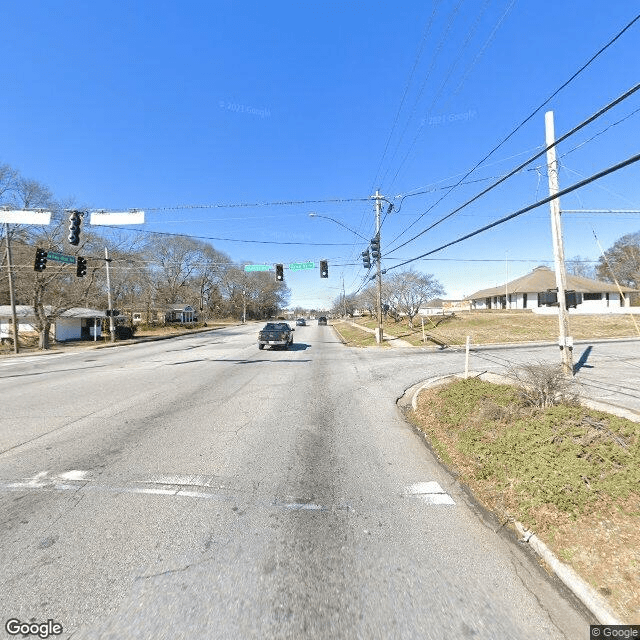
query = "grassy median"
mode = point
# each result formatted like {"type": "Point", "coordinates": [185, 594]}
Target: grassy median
{"type": "Point", "coordinates": [570, 474]}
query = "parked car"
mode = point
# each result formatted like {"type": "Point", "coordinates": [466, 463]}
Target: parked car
{"type": "Point", "coordinates": [301, 322]}
{"type": "Point", "coordinates": [322, 320]}
{"type": "Point", "coordinates": [275, 334]}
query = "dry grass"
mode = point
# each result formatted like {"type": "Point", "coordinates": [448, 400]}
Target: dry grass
{"type": "Point", "coordinates": [569, 473]}
{"type": "Point", "coordinates": [498, 327]}
{"type": "Point", "coordinates": [354, 337]}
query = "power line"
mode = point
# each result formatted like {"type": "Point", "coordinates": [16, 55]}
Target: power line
{"type": "Point", "coordinates": [443, 39]}
{"type": "Point", "coordinates": [186, 235]}
{"type": "Point", "coordinates": [563, 192]}
{"type": "Point", "coordinates": [577, 128]}
{"type": "Point", "coordinates": [232, 205]}
{"type": "Point", "coordinates": [406, 89]}
{"type": "Point", "coordinates": [452, 67]}
{"type": "Point", "coordinates": [530, 116]}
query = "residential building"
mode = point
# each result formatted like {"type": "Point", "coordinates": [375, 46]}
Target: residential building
{"type": "Point", "coordinates": [531, 292]}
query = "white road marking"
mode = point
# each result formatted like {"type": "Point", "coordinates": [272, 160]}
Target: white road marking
{"type": "Point", "coordinates": [437, 498]}
{"type": "Point", "coordinates": [74, 474]}
{"type": "Point", "coordinates": [299, 506]}
{"type": "Point", "coordinates": [430, 492]}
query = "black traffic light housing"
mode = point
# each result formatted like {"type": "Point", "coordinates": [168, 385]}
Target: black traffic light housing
{"type": "Point", "coordinates": [324, 269]}
{"type": "Point", "coordinates": [81, 266]}
{"type": "Point", "coordinates": [40, 263]}
{"type": "Point", "coordinates": [366, 259]}
{"type": "Point", "coordinates": [74, 228]}
{"type": "Point", "coordinates": [375, 247]}
{"type": "Point", "coordinates": [279, 273]}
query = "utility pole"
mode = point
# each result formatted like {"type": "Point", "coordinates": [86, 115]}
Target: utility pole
{"type": "Point", "coordinates": [379, 331]}
{"type": "Point", "coordinates": [506, 281]}
{"type": "Point", "coordinates": [244, 305]}
{"type": "Point", "coordinates": [565, 341]}
{"type": "Point", "coordinates": [344, 299]}
{"type": "Point", "coordinates": [112, 328]}
{"type": "Point", "coordinates": [11, 295]}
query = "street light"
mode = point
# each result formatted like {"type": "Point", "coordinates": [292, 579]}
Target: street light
{"type": "Point", "coordinates": [317, 215]}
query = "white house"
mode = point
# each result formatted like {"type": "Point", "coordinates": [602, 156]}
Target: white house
{"type": "Point", "coordinates": [74, 324]}
{"type": "Point", "coordinates": [179, 313]}
{"type": "Point", "coordinates": [440, 307]}
{"type": "Point", "coordinates": [531, 292]}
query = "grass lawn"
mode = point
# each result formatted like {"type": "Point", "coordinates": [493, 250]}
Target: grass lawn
{"type": "Point", "coordinates": [494, 327]}
{"type": "Point", "coordinates": [354, 337]}
{"type": "Point", "coordinates": [569, 473]}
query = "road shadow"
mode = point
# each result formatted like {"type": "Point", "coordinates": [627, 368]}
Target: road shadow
{"type": "Point", "coordinates": [299, 346]}
{"type": "Point", "coordinates": [582, 362]}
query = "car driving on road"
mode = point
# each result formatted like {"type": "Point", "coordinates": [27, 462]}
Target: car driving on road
{"type": "Point", "coordinates": [275, 334]}
{"type": "Point", "coordinates": [322, 320]}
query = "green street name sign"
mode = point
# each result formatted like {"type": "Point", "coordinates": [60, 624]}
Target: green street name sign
{"type": "Point", "coordinates": [302, 265]}
{"type": "Point", "coordinates": [257, 267]}
{"type": "Point", "coordinates": [60, 257]}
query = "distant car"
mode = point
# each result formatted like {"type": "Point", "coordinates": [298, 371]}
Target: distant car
{"type": "Point", "coordinates": [322, 320]}
{"type": "Point", "coordinates": [301, 322]}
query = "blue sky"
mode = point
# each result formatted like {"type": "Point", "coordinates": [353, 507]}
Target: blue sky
{"type": "Point", "coordinates": [157, 104]}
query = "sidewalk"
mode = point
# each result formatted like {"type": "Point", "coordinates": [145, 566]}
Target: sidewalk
{"type": "Point", "coordinates": [392, 340]}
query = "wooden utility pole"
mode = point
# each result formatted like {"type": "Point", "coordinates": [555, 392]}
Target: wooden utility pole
{"type": "Point", "coordinates": [565, 340]}
{"type": "Point", "coordinates": [14, 317]}
{"type": "Point", "coordinates": [379, 330]}
{"type": "Point", "coordinates": [112, 327]}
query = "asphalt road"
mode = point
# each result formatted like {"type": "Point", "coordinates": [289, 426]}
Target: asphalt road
{"type": "Point", "coordinates": [200, 488]}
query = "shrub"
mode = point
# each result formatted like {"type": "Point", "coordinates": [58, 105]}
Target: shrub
{"type": "Point", "coordinates": [543, 385]}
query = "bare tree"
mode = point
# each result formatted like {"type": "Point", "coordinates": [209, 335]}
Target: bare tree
{"type": "Point", "coordinates": [410, 290]}
{"type": "Point", "coordinates": [583, 267]}
{"type": "Point", "coordinates": [622, 261]}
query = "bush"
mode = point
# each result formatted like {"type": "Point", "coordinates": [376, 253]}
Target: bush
{"type": "Point", "coordinates": [543, 385]}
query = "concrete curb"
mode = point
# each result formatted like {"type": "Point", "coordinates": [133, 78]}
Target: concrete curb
{"type": "Point", "coordinates": [595, 603]}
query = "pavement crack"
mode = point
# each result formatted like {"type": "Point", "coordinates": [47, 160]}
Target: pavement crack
{"type": "Point", "coordinates": [187, 567]}
{"type": "Point", "coordinates": [540, 602]}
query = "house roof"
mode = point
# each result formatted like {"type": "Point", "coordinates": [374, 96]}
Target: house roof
{"type": "Point", "coordinates": [543, 278]}
{"type": "Point", "coordinates": [26, 311]}
{"type": "Point", "coordinates": [435, 303]}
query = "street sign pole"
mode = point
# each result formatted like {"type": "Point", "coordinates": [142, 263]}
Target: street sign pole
{"type": "Point", "coordinates": [11, 295]}
{"type": "Point", "coordinates": [112, 328]}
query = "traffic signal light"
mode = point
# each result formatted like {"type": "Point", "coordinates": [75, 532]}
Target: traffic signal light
{"type": "Point", "coordinates": [324, 269]}
{"type": "Point", "coordinates": [74, 228]}
{"type": "Point", "coordinates": [41, 260]}
{"type": "Point", "coordinates": [375, 247]}
{"type": "Point", "coordinates": [81, 267]}
{"type": "Point", "coordinates": [279, 273]}
{"type": "Point", "coordinates": [366, 259]}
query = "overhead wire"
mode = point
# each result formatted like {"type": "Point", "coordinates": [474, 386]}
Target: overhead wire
{"type": "Point", "coordinates": [523, 210]}
{"type": "Point", "coordinates": [440, 89]}
{"type": "Point", "coordinates": [220, 239]}
{"type": "Point", "coordinates": [436, 54]}
{"type": "Point", "coordinates": [575, 129]}
{"type": "Point", "coordinates": [530, 116]}
{"type": "Point", "coordinates": [406, 90]}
